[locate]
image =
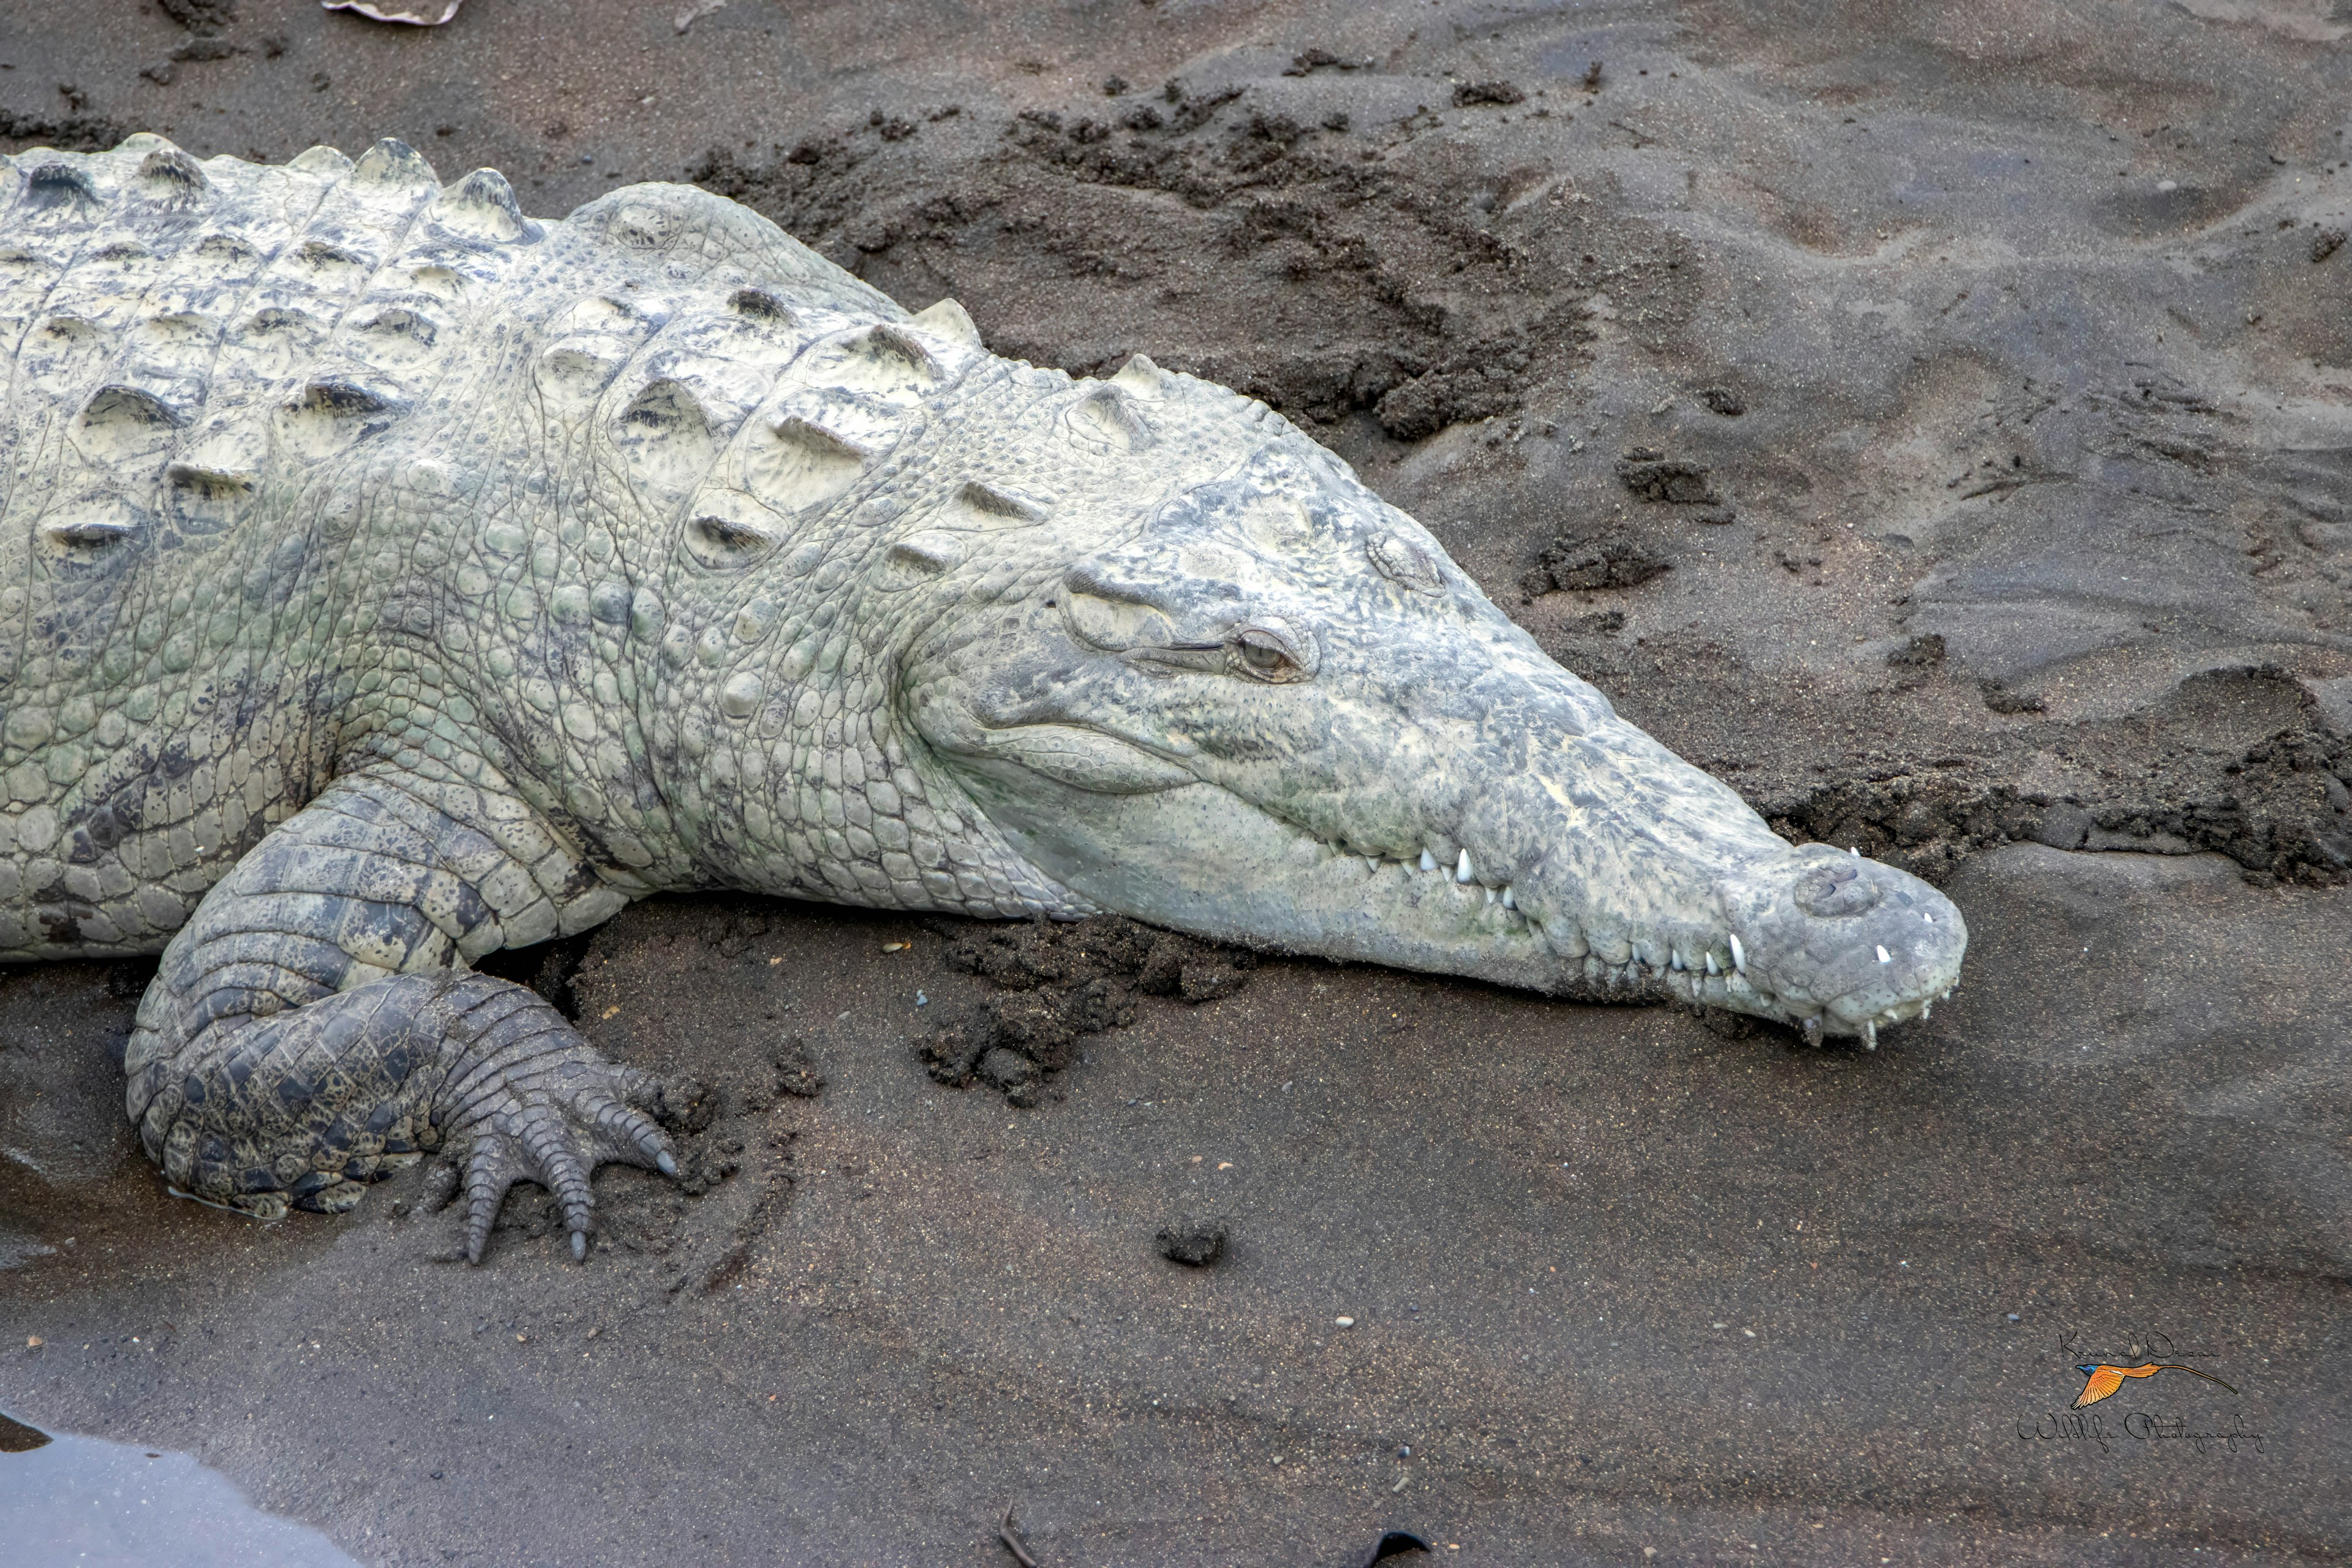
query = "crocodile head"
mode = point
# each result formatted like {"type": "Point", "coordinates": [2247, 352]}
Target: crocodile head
{"type": "Point", "coordinates": [1248, 699]}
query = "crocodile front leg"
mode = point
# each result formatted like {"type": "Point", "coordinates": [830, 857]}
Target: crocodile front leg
{"type": "Point", "coordinates": [315, 1025]}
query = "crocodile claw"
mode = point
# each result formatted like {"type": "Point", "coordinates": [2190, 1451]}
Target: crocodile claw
{"type": "Point", "coordinates": [554, 1128]}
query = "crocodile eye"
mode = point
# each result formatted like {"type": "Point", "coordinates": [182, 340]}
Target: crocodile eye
{"type": "Point", "coordinates": [1268, 654]}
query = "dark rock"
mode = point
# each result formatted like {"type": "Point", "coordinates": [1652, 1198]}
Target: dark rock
{"type": "Point", "coordinates": [1308, 61]}
{"type": "Point", "coordinates": [2064, 828]}
{"type": "Point", "coordinates": [1475, 94]}
{"type": "Point", "coordinates": [1615, 561]}
{"type": "Point", "coordinates": [1723, 400]}
{"type": "Point", "coordinates": [948, 1055]}
{"type": "Point", "coordinates": [1059, 982]}
{"type": "Point", "coordinates": [1195, 1242]}
{"type": "Point", "coordinates": [1651, 476]}
{"type": "Point", "coordinates": [1010, 1073]}
{"type": "Point", "coordinates": [1920, 653]}
{"type": "Point", "coordinates": [200, 16]}
{"type": "Point", "coordinates": [689, 1105]}
{"type": "Point", "coordinates": [2002, 697]}
{"type": "Point", "coordinates": [796, 1074]}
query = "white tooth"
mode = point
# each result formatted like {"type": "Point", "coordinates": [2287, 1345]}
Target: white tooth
{"type": "Point", "coordinates": [1428, 862]}
{"type": "Point", "coordinates": [1869, 1035]}
{"type": "Point", "coordinates": [1854, 852]}
{"type": "Point", "coordinates": [1508, 902]}
{"type": "Point", "coordinates": [1927, 1011]}
{"type": "Point", "coordinates": [1675, 959]}
{"type": "Point", "coordinates": [1929, 918]}
{"type": "Point", "coordinates": [1882, 958]}
{"type": "Point", "coordinates": [1462, 867]}
{"type": "Point", "coordinates": [1711, 967]}
{"type": "Point", "coordinates": [1374, 861]}
{"type": "Point", "coordinates": [1738, 954]}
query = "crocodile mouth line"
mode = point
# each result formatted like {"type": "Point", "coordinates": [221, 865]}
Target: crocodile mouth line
{"type": "Point", "coordinates": [1709, 971]}
{"type": "Point", "coordinates": [1435, 894]}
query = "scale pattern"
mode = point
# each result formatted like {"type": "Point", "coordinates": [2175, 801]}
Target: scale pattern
{"type": "Point", "coordinates": [387, 578]}
{"type": "Point", "coordinates": [378, 591]}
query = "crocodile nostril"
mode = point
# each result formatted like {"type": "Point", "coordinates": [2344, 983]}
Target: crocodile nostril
{"type": "Point", "coordinates": [1828, 892]}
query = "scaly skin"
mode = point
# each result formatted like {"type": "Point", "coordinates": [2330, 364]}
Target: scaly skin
{"type": "Point", "coordinates": [391, 579]}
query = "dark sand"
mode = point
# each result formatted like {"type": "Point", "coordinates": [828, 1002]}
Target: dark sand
{"type": "Point", "coordinates": [1937, 420]}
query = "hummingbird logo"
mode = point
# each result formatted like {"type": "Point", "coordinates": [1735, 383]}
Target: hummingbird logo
{"type": "Point", "coordinates": [2101, 1379]}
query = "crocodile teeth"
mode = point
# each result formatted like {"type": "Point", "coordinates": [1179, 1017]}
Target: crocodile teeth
{"type": "Point", "coordinates": [1509, 902]}
{"type": "Point", "coordinates": [1711, 968]}
{"type": "Point", "coordinates": [1869, 1035]}
{"type": "Point", "coordinates": [1738, 954]}
{"type": "Point", "coordinates": [1428, 861]}
{"type": "Point", "coordinates": [1882, 958]}
{"type": "Point", "coordinates": [1462, 867]}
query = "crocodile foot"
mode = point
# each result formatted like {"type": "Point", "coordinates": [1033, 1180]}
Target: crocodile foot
{"type": "Point", "coordinates": [553, 1119]}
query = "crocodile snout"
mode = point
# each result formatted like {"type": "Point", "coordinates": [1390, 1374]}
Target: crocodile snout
{"type": "Point", "coordinates": [1844, 946]}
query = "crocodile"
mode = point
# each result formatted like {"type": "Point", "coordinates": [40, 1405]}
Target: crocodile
{"type": "Point", "coordinates": [392, 578]}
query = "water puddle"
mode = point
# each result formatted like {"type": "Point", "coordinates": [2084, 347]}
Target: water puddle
{"type": "Point", "coordinates": [84, 1503]}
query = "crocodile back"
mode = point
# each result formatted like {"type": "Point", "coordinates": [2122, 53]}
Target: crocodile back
{"type": "Point", "coordinates": [214, 378]}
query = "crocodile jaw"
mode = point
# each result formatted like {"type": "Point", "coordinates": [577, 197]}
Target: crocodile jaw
{"type": "Point", "coordinates": [1198, 858]}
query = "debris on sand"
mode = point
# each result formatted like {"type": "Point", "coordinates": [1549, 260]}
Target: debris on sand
{"type": "Point", "coordinates": [1587, 561]}
{"type": "Point", "coordinates": [1652, 476]}
{"type": "Point", "coordinates": [1486, 94]}
{"type": "Point", "coordinates": [1195, 1242]}
{"type": "Point", "coordinates": [1058, 983]}
{"type": "Point", "coordinates": [418, 14]}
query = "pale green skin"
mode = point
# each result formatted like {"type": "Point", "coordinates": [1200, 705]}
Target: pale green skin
{"type": "Point", "coordinates": [392, 579]}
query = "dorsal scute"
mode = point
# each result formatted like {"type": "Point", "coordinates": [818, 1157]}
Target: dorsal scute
{"type": "Point", "coordinates": [482, 207]}
{"type": "Point", "coordinates": [170, 178]}
{"type": "Point", "coordinates": [995, 504]}
{"type": "Point", "coordinates": [691, 236]}
{"type": "Point", "coordinates": [394, 165]}
{"type": "Point", "coordinates": [1104, 419]}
